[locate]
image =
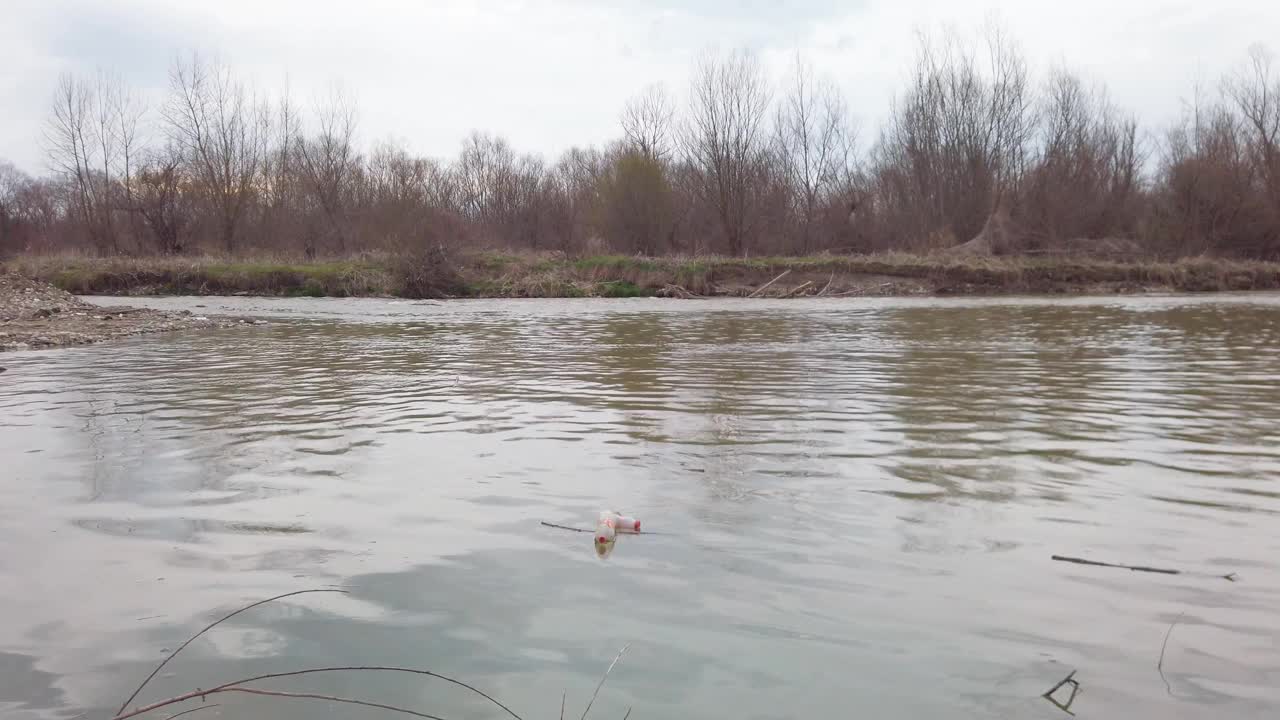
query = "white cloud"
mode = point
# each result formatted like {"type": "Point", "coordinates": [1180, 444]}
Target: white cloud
{"type": "Point", "coordinates": [553, 73]}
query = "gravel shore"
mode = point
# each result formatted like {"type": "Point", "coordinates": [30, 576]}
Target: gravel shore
{"type": "Point", "coordinates": [36, 315]}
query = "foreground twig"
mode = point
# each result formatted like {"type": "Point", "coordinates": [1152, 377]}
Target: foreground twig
{"type": "Point", "coordinates": [766, 285]}
{"type": "Point", "coordinates": [331, 698]}
{"type": "Point", "coordinates": [1075, 688]}
{"type": "Point", "coordinates": [621, 652]}
{"type": "Point", "coordinates": [238, 686]}
{"type": "Point", "coordinates": [194, 709]}
{"type": "Point", "coordinates": [1229, 577]}
{"type": "Point", "coordinates": [1160, 663]}
{"type": "Point", "coordinates": [381, 668]}
{"type": "Point", "coordinates": [206, 629]}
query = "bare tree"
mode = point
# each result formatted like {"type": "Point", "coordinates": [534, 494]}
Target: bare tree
{"type": "Point", "coordinates": [223, 130]}
{"type": "Point", "coordinates": [91, 139]}
{"type": "Point", "coordinates": [635, 203]}
{"type": "Point", "coordinates": [1084, 180]}
{"type": "Point", "coordinates": [811, 145]}
{"type": "Point", "coordinates": [956, 141]}
{"type": "Point", "coordinates": [1255, 93]}
{"type": "Point", "coordinates": [12, 182]}
{"type": "Point", "coordinates": [647, 122]}
{"type": "Point", "coordinates": [161, 196]}
{"type": "Point", "coordinates": [331, 165]}
{"type": "Point", "coordinates": [726, 141]}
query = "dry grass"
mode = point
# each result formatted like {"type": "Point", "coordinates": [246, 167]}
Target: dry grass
{"type": "Point", "coordinates": [532, 275]}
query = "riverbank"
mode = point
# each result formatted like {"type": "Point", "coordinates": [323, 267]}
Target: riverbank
{"type": "Point", "coordinates": [36, 315]}
{"type": "Point", "coordinates": [492, 275]}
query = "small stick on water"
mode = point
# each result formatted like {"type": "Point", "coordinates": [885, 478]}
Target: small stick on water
{"type": "Point", "coordinates": [621, 652]}
{"type": "Point", "coordinates": [544, 523]}
{"type": "Point", "coordinates": [563, 527]}
{"type": "Point", "coordinates": [1160, 663]}
{"type": "Point", "coordinates": [624, 717]}
{"type": "Point", "coordinates": [1229, 577]}
{"type": "Point", "coordinates": [206, 629]}
{"type": "Point", "coordinates": [563, 695]}
{"type": "Point", "coordinates": [766, 285]}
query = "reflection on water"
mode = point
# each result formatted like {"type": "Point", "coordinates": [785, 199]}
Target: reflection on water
{"type": "Point", "coordinates": [858, 500]}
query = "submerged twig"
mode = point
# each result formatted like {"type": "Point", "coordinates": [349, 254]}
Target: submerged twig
{"type": "Point", "coordinates": [1160, 663]}
{"type": "Point", "coordinates": [331, 698]}
{"type": "Point", "coordinates": [194, 709]}
{"type": "Point", "coordinates": [380, 668]}
{"type": "Point", "coordinates": [621, 652]}
{"type": "Point", "coordinates": [564, 527]}
{"type": "Point", "coordinates": [206, 629]}
{"type": "Point", "coordinates": [1075, 688]}
{"type": "Point", "coordinates": [1229, 577]}
{"type": "Point", "coordinates": [238, 686]}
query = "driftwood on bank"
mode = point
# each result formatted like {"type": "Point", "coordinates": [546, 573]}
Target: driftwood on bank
{"type": "Point", "coordinates": [827, 287]}
{"type": "Point", "coordinates": [1229, 577]}
{"type": "Point", "coordinates": [676, 291]}
{"type": "Point", "coordinates": [797, 289]}
{"type": "Point", "coordinates": [862, 290]}
{"type": "Point", "coordinates": [768, 284]}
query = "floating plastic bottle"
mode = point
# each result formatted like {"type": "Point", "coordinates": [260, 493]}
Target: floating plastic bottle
{"type": "Point", "coordinates": [624, 524]}
{"type": "Point", "coordinates": [606, 527]}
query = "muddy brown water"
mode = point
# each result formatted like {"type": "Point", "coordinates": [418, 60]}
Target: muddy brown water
{"type": "Point", "coordinates": [860, 497]}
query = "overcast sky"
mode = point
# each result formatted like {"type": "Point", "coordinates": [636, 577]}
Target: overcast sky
{"type": "Point", "coordinates": [549, 74]}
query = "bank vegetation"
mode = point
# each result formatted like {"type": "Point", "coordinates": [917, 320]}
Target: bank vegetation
{"type": "Point", "coordinates": [983, 173]}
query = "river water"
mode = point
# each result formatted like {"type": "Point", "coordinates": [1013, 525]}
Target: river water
{"type": "Point", "coordinates": [858, 503]}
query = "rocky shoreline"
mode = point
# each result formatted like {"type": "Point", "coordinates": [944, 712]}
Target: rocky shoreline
{"type": "Point", "coordinates": [35, 315]}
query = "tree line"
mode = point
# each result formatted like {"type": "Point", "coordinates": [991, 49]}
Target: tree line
{"type": "Point", "coordinates": [738, 165]}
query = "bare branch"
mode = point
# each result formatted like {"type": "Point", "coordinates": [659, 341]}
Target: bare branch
{"type": "Point", "coordinates": [206, 629]}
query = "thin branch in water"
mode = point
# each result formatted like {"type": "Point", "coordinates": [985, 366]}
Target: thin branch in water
{"type": "Point", "coordinates": [331, 698]}
{"type": "Point", "coordinates": [621, 652]}
{"type": "Point", "coordinates": [564, 527]}
{"type": "Point", "coordinates": [1160, 663]}
{"type": "Point", "coordinates": [194, 709]}
{"type": "Point", "coordinates": [624, 717]}
{"type": "Point", "coordinates": [376, 668]}
{"type": "Point", "coordinates": [206, 629]}
{"type": "Point", "coordinates": [1229, 577]}
{"type": "Point", "coordinates": [1075, 688]}
{"type": "Point", "coordinates": [580, 530]}
{"type": "Point", "coordinates": [563, 696]}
